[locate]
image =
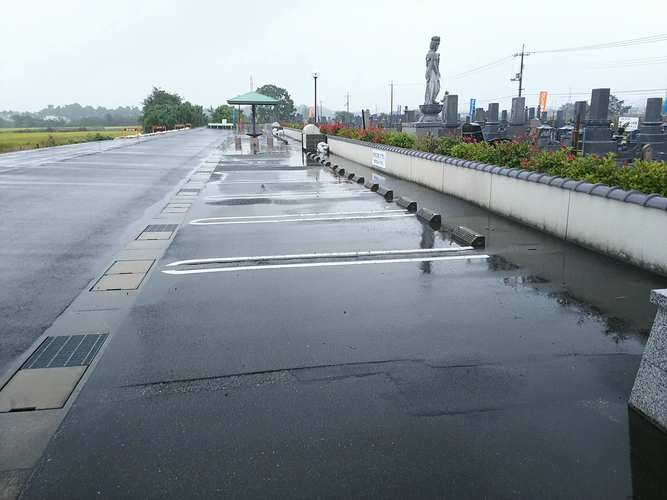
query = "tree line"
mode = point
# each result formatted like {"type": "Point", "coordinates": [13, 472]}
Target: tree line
{"type": "Point", "coordinates": [162, 108]}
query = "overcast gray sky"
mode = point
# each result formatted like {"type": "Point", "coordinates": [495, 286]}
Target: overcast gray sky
{"type": "Point", "coordinates": [110, 53]}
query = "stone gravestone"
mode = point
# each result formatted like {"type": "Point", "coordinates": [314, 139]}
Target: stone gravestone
{"type": "Point", "coordinates": [651, 130]}
{"type": "Point", "coordinates": [531, 114]}
{"type": "Point", "coordinates": [492, 128]}
{"type": "Point", "coordinates": [451, 112]}
{"type": "Point", "coordinates": [503, 122]}
{"type": "Point", "coordinates": [365, 119]}
{"type": "Point", "coordinates": [479, 115]}
{"type": "Point", "coordinates": [597, 137]}
{"type": "Point", "coordinates": [534, 123]}
{"type": "Point", "coordinates": [517, 123]}
{"type": "Point", "coordinates": [560, 118]}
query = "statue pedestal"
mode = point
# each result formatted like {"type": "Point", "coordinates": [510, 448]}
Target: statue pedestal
{"type": "Point", "coordinates": [434, 129]}
{"type": "Point", "coordinates": [430, 113]}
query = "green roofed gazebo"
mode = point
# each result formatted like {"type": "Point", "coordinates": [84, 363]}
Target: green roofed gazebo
{"type": "Point", "coordinates": [253, 99]}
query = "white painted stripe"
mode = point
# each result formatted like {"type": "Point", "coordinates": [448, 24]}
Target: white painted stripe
{"type": "Point", "coordinates": [298, 196]}
{"type": "Point", "coordinates": [285, 216]}
{"type": "Point", "coordinates": [328, 255]}
{"type": "Point", "coordinates": [311, 219]}
{"type": "Point", "coordinates": [325, 264]}
{"type": "Point", "coordinates": [296, 181]}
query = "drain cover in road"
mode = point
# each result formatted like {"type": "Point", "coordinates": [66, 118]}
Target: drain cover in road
{"type": "Point", "coordinates": [158, 232]}
{"type": "Point", "coordinates": [66, 350]}
{"type": "Point", "coordinates": [176, 208]}
{"type": "Point", "coordinates": [50, 375]}
{"type": "Point", "coordinates": [188, 192]}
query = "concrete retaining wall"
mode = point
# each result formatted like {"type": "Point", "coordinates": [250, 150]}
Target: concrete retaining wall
{"type": "Point", "coordinates": [293, 133]}
{"type": "Point", "coordinates": [627, 225]}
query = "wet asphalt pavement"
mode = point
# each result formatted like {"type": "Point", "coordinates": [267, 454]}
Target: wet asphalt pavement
{"type": "Point", "coordinates": [65, 212]}
{"type": "Point", "coordinates": [268, 355]}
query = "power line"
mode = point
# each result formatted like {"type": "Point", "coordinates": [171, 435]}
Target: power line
{"type": "Point", "coordinates": [608, 64]}
{"type": "Point", "coordinates": [610, 45]}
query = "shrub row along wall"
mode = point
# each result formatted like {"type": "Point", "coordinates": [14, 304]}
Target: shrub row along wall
{"type": "Point", "coordinates": [627, 225]}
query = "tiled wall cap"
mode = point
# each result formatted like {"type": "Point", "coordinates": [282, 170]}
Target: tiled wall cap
{"type": "Point", "coordinates": [598, 189]}
{"type": "Point", "coordinates": [557, 181]}
{"type": "Point", "coordinates": [575, 186]}
{"type": "Point", "coordinates": [545, 179]}
{"type": "Point", "coordinates": [630, 193]}
{"type": "Point", "coordinates": [614, 192]}
{"type": "Point", "coordinates": [659, 202]}
{"type": "Point", "coordinates": [524, 174]}
{"type": "Point", "coordinates": [514, 172]}
{"type": "Point", "coordinates": [496, 169]}
{"type": "Point", "coordinates": [466, 163]}
{"type": "Point", "coordinates": [636, 197]}
{"type": "Point", "coordinates": [648, 198]}
{"type": "Point", "coordinates": [583, 187]}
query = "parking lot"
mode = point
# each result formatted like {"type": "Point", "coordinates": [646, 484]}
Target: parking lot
{"type": "Point", "coordinates": [299, 335]}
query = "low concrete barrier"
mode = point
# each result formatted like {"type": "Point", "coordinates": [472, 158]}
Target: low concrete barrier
{"type": "Point", "coordinates": [627, 225]}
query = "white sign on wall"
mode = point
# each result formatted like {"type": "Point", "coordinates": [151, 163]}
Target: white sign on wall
{"type": "Point", "coordinates": [629, 122]}
{"type": "Point", "coordinates": [379, 158]}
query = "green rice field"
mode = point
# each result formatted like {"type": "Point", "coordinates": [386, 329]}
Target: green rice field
{"type": "Point", "coordinates": [20, 139]}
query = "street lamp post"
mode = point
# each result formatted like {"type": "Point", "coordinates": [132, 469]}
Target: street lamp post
{"type": "Point", "coordinates": [315, 74]}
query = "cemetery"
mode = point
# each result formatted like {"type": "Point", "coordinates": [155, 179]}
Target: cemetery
{"type": "Point", "coordinates": [588, 151]}
{"type": "Point", "coordinates": [579, 181]}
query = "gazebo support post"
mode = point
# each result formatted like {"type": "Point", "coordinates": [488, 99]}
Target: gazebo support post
{"type": "Point", "coordinates": [254, 109]}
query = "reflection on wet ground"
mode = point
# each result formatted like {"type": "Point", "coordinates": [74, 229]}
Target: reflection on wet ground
{"type": "Point", "coordinates": [319, 341]}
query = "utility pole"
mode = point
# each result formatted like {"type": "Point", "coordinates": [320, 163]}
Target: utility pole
{"type": "Point", "coordinates": [519, 75]}
{"type": "Point", "coordinates": [391, 107]}
{"type": "Point", "coordinates": [251, 89]}
{"type": "Point", "coordinates": [348, 102]}
{"type": "Point", "coordinates": [321, 110]}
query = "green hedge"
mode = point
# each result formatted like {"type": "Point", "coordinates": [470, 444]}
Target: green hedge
{"type": "Point", "coordinates": [647, 177]}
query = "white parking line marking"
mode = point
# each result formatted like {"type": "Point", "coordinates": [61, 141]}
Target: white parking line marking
{"type": "Point", "coordinates": [329, 255]}
{"type": "Point", "coordinates": [294, 181]}
{"type": "Point", "coordinates": [284, 216]}
{"type": "Point", "coordinates": [325, 264]}
{"type": "Point", "coordinates": [199, 222]}
{"type": "Point", "coordinates": [298, 196]}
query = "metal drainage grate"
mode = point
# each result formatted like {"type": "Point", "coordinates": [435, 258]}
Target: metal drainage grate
{"type": "Point", "coordinates": [66, 350]}
{"type": "Point", "coordinates": [190, 191]}
{"type": "Point", "coordinates": [159, 228]}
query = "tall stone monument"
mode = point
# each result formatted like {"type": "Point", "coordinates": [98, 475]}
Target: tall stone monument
{"type": "Point", "coordinates": [492, 127]}
{"type": "Point", "coordinates": [651, 129]}
{"type": "Point", "coordinates": [597, 136]}
{"type": "Point", "coordinates": [517, 124]}
{"type": "Point", "coordinates": [451, 112]}
{"type": "Point", "coordinates": [430, 122]}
